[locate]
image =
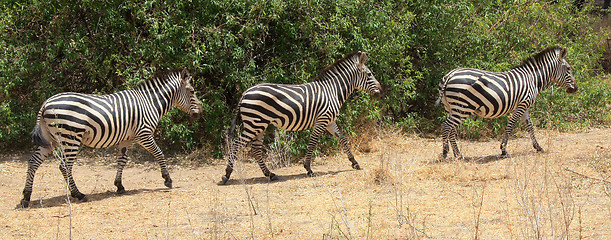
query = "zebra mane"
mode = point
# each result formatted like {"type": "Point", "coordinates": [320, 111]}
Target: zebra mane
{"type": "Point", "coordinates": [329, 68]}
{"type": "Point", "coordinates": [538, 57]}
{"type": "Point", "coordinates": [162, 76]}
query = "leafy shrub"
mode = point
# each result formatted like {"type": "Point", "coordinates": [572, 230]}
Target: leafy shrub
{"type": "Point", "coordinates": [102, 47]}
{"type": "Point", "coordinates": [496, 36]}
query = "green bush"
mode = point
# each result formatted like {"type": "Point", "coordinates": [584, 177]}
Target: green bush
{"type": "Point", "coordinates": [106, 46]}
{"type": "Point", "coordinates": [495, 36]}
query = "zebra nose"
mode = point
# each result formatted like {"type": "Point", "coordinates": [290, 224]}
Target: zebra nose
{"type": "Point", "coordinates": [377, 94]}
{"type": "Point", "coordinates": [571, 89]}
{"type": "Point", "coordinates": [195, 115]}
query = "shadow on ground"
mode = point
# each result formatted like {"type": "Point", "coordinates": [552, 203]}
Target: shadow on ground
{"type": "Point", "coordinates": [281, 178]}
{"type": "Point", "coordinates": [484, 159]}
{"type": "Point", "coordinates": [94, 197]}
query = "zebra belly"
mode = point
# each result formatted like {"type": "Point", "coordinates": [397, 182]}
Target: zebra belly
{"type": "Point", "coordinates": [293, 127]}
{"type": "Point", "coordinates": [285, 123]}
{"type": "Point", "coordinates": [91, 141]}
{"type": "Point", "coordinates": [487, 114]}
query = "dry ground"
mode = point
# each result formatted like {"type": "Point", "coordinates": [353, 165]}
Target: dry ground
{"type": "Point", "coordinates": [404, 192]}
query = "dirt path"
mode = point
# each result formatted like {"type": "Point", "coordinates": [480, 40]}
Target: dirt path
{"type": "Point", "coordinates": [403, 192]}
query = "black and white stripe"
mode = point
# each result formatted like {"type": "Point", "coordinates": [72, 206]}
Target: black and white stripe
{"type": "Point", "coordinates": [297, 107]}
{"type": "Point", "coordinates": [466, 91]}
{"type": "Point", "coordinates": [69, 120]}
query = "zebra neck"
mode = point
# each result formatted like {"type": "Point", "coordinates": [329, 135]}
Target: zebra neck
{"type": "Point", "coordinates": [344, 92]}
{"type": "Point", "coordinates": [160, 94]}
{"type": "Point", "coordinates": [540, 73]}
{"type": "Point", "coordinates": [339, 84]}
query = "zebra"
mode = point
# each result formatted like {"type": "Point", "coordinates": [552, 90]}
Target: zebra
{"type": "Point", "coordinates": [298, 107]}
{"type": "Point", "coordinates": [69, 120]}
{"type": "Point", "coordinates": [466, 91]}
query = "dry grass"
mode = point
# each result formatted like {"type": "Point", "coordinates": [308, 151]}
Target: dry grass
{"type": "Point", "coordinates": [404, 192]}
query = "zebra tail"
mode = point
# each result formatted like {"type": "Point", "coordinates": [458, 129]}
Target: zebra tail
{"type": "Point", "coordinates": [232, 130]}
{"type": "Point", "coordinates": [442, 89]}
{"type": "Point", "coordinates": [38, 137]}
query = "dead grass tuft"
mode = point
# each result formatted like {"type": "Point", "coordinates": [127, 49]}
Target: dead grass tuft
{"type": "Point", "coordinates": [367, 132]}
{"type": "Point", "coordinates": [381, 176]}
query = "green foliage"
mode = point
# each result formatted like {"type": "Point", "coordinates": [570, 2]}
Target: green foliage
{"type": "Point", "coordinates": [106, 46]}
{"type": "Point", "coordinates": [586, 108]}
{"type": "Point", "coordinates": [495, 36]}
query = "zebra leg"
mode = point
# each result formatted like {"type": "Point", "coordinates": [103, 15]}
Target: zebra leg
{"type": "Point", "coordinates": [149, 144]}
{"type": "Point", "coordinates": [65, 166]}
{"type": "Point", "coordinates": [237, 145]}
{"type": "Point", "coordinates": [449, 138]}
{"type": "Point", "coordinates": [453, 136]}
{"type": "Point", "coordinates": [531, 131]}
{"type": "Point", "coordinates": [121, 164]}
{"type": "Point", "coordinates": [317, 131]}
{"type": "Point", "coordinates": [33, 163]}
{"type": "Point", "coordinates": [334, 130]}
{"type": "Point", "coordinates": [257, 149]}
{"type": "Point", "coordinates": [515, 116]}
{"type": "Point", "coordinates": [446, 134]}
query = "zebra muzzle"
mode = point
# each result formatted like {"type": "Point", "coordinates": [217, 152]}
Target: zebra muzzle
{"type": "Point", "coordinates": [195, 115]}
{"type": "Point", "coordinates": [376, 94]}
{"type": "Point", "coordinates": [571, 89]}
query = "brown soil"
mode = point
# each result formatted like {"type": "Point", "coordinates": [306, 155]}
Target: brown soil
{"type": "Point", "coordinates": [404, 192]}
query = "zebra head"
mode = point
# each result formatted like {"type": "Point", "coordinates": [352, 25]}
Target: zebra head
{"type": "Point", "coordinates": [365, 81]}
{"type": "Point", "coordinates": [186, 99]}
{"type": "Point", "coordinates": [563, 75]}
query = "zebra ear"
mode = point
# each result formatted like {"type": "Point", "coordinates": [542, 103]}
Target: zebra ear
{"type": "Point", "coordinates": [362, 59]}
{"type": "Point", "coordinates": [185, 75]}
{"type": "Point", "coordinates": [562, 52]}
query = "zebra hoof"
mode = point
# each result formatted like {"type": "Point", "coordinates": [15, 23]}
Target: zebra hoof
{"type": "Point", "coordinates": [356, 166]}
{"type": "Point", "coordinates": [273, 177]}
{"type": "Point", "coordinates": [24, 203]}
{"type": "Point", "coordinates": [168, 183]}
{"type": "Point", "coordinates": [540, 150]}
{"type": "Point", "coordinates": [310, 174]}
{"type": "Point", "coordinates": [78, 195]}
{"type": "Point", "coordinates": [224, 180]}
{"type": "Point", "coordinates": [84, 199]}
{"type": "Point", "coordinates": [120, 190]}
